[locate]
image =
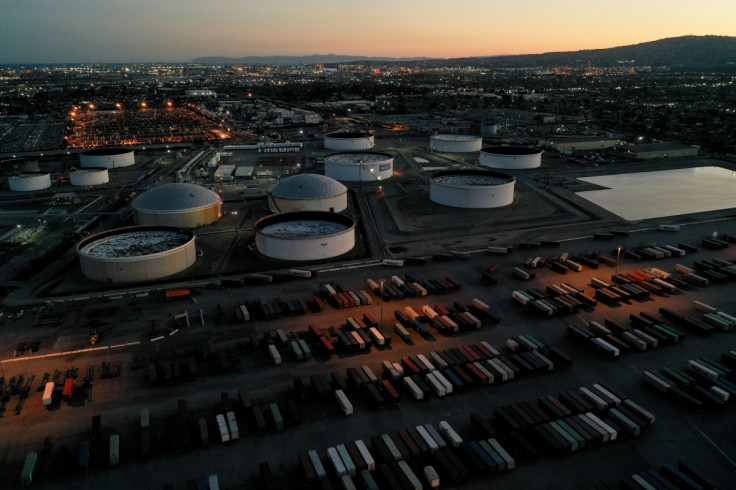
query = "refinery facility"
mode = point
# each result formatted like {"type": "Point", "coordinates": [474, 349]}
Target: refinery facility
{"type": "Point", "coordinates": [357, 291]}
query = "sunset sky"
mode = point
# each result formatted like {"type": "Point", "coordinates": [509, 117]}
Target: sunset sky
{"type": "Point", "coordinates": [73, 31]}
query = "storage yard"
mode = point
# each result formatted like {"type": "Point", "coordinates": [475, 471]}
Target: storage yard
{"type": "Point", "coordinates": [451, 325]}
{"type": "Point", "coordinates": [508, 404]}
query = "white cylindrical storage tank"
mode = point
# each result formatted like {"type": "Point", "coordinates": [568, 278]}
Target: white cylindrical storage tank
{"type": "Point", "coordinates": [107, 158]}
{"type": "Point", "coordinates": [89, 176]}
{"type": "Point", "coordinates": [306, 235]}
{"type": "Point", "coordinates": [136, 253]}
{"type": "Point", "coordinates": [349, 141]}
{"type": "Point", "coordinates": [29, 182]}
{"type": "Point", "coordinates": [308, 192]}
{"type": "Point", "coordinates": [180, 205]}
{"type": "Point", "coordinates": [472, 188]}
{"type": "Point", "coordinates": [359, 166]}
{"type": "Point", "coordinates": [510, 157]}
{"type": "Point", "coordinates": [488, 129]}
{"type": "Point", "coordinates": [455, 143]}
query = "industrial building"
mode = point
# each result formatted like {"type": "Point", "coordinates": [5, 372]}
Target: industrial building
{"type": "Point", "coordinates": [179, 205]}
{"type": "Point", "coordinates": [662, 150]}
{"type": "Point", "coordinates": [308, 192]}
{"type": "Point", "coordinates": [472, 188]}
{"type": "Point", "coordinates": [107, 158]}
{"type": "Point", "coordinates": [136, 253]}
{"type": "Point", "coordinates": [349, 141]}
{"type": "Point", "coordinates": [455, 143]}
{"type": "Point", "coordinates": [89, 176]}
{"type": "Point", "coordinates": [19, 165]}
{"type": "Point", "coordinates": [510, 157]}
{"type": "Point", "coordinates": [359, 166]}
{"type": "Point", "coordinates": [34, 181]}
{"type": "Point", "coordinates": [488, 129]}
{"type": "Point", "coordinates": [305, 235]}
{"type": "Point", "coordinates": [570, 145]}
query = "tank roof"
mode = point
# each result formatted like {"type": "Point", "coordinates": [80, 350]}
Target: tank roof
{"type": "Point", "coordinates": [303, 224]}
{"type": "Point", "coordinates": [455, 137]}
{"type": "Point", "coordinates": [357, 157]}
{"type": "Point", "coordinates": [88, 170]}
{"type": "Point", "coordinates": [29, 175]}
{"type": "Point", "coordinates": [472, 178]}
{"type": "Point", "coordinates": [176, 197]}
{"type": "Point", "coordinates": [133, 241]}
{"type": "Point", "coordinates": [511, 150]}
{"type": "Point", "coordinates": [99, 152]}
{"type": "Point", "coordinates": [307, 186]}
{"type": "Point", "coordinates": [348, 134]}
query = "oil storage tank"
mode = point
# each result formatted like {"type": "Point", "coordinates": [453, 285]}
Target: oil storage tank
{"type": "Point", "coordinates": [349, 141]}
{"type": "Point", "coordinates": [89, 176]}
{"type": "Point", "coordinates": [472, 188]}
{"type": "Point", "coordinates": [107, 158]}
{"type": "Point", "coordinates": [359, 166]}
{"type": "Point", "coordinates": [33, 181]}
{"type": "Point", "coordinates": [136, 253]}
{"type": "Point", "coordinates": [308, 192]}
{"type": "Point", "coordinates": [455, 143]}
{"type": "Point", "coordinates": [180, 205]}
{"type": "Point", "coordinates": [305, 235]}
{"type": "Point", "coordinates": [510, 157]}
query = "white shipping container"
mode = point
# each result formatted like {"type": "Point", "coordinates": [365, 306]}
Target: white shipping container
{"type": "Point", "coordinates": [319, 468]}
{"type": "Point", "coordinates": [413, 388]}
{"type": "Point", "coordinates": [275, 356]}
{"type": "Point", "coordinates": [213, 482]}
{"type": "Point", "coordinates": [346, 459]}
{"type": "Point", "coordinates": [367, 456]}
{"type": "Point", "coordinates": [490, 348]}
{"type": "Point", "coordinates": [409, 474]}
{"type": "Point", "coordinates": [48, 394]}
{"type": "Point", "coordinates": [436, 386]}
{"type": "Point", "coordinates": [448, 431]}
{"type": "Point", "coordinates": [376, 336]}
{"type": "Point", "coordinates": [222, 425]}
{"type": "Point", "coordinates": [445, 382]}
{"type": "Point", "coordinates": [510, 462]}
{"type": "Point", "coordinates": [342, 400]}
{"type": "Point", "coordinates": [425, 361]}
{"type": "Point", "coordinates": [428, 311]}
{"type": "Point", "coordinates": [433, 480]}
{"type": "Point", "coordinates": [431, 443]}
{"type": "Point", "coordinates": [481, 305]}
{"type": "Point", "coordinates": [395, 453]}
{"type": "Point", "coordinates": [233, 426]}
{"type": "Point", "coordinates": [336, 462]}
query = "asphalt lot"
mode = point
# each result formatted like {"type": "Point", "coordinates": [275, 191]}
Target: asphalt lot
{"type": "Point", "coordinates": [706, 438]}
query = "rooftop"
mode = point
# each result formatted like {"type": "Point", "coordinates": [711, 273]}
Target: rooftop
{"type": "Point", "coordinates": [356, 158]}
{"type": "Point", "coordinates": [307, 186]}
{"type": "Point", "coordinates": [176, 197]}
{"type": "Point", "coordinates": [135, 243]}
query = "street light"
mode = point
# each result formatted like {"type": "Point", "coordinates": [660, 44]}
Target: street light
{"type": "Point", "coordinates": [618, 256]}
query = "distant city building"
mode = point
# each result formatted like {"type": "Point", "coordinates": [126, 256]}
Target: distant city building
{"type": "Point", "coordinates": [200, 93]}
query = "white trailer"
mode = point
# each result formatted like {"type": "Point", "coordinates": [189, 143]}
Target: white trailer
{"type": "Point", "coordinates": [445, 382]}
{"type": "Point", "coordinates": [412, 387]}
{"type": "Point", "coordinates": [378, 339]}
{"type": "Point", "coordinates": [342, 400]}
{"type": "Point", "coordinates": [222, 425]}
{"type": "Point", "coordinates": [426, 362]}
{"type": "Point", "coordinates": [367, 456]}
{"type": "Point", "coordinates": [433, 480]}
{"type": "Point", "coordinates": [346, 459]}
{"type": "Point", "coordinates": [409, 474]}
{"type": "Point", "coordinates": [448, 431]}
{"type": "Point", "coordinates": [319, 468]}
{"type": "Point", "coordinates": [232, 426]}
{"type": "Point", "coordinates": [431, 443]}
{"type": "Point", "coordinates": [275, 356]}
{"type": "Point", "coordinates": [48, 394]}
{"type": "Point", "coordinates": [436, 386]}
{"type": "Point", "coordinates": [336, 462]}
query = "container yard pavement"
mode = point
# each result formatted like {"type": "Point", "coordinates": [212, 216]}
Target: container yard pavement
{"type": "Point", "coordinates": [705, 439]}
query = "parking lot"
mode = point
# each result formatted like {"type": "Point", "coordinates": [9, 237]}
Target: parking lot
{"type": "Point", "coordinates": [704, 438]}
